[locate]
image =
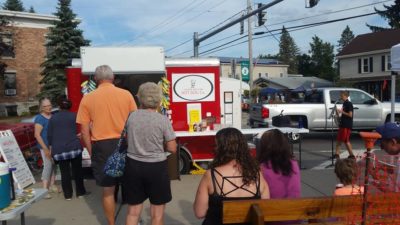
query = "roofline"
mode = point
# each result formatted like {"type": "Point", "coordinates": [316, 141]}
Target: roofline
{"type": "Point", "coordinates": [190, 62]}
{"type": "Point", "coordinates": [363, 53]}
{"type": "Point", "coordinates": [28, 15]}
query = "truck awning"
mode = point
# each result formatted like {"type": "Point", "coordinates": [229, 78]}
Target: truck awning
{"type": "Point", "coordinates": [124, 60]}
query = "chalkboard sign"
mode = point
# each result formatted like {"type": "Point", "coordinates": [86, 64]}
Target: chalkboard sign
{"type": "Point", "coordinates": [12, 154]}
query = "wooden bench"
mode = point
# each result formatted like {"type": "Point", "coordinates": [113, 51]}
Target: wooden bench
{"type": "Point", "coordinates": [381, 209]}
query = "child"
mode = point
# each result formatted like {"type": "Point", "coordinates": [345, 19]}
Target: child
{"type": "Point", "coordinates": [346, 171]}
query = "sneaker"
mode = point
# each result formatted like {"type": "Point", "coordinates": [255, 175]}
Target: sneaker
{"type": "Point", "coordinates": [68, 199]}
{"type": "Point", "coordinates": [336, 156]}
{"type": "Point", "coordinates": [86, 194]}
{"type": "Point", "coordinates": [48, 196]}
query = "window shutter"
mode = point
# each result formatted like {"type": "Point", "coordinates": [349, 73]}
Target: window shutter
{"type": "Point", "coordinates": [383, 63]}
{"type": "Point", "coordinates": [371, 63]}
{"type": "Point", "coordinates": [359, 65]}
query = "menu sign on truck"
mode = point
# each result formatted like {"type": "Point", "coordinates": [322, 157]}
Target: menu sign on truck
{"type": "Point", "coordinates": [12, 154]}
{"type": "Point", "coordinates": [193, 87]}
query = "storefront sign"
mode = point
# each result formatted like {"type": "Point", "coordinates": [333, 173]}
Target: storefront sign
{"type": "Point", "coordinates": [197, 87]}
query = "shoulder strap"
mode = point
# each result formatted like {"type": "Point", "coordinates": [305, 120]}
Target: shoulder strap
{"type": "Point", "coordinates": [214, 181]}
{"type": "Point", "coordinates": [123, 136]}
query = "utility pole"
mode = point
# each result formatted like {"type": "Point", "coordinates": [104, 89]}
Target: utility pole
{"type": "Point", "coordinates": [197, 40]}
{"type": "Point", "coordinates": [250, 36]}
{"type": "Point", "coordinates": [196, 44]}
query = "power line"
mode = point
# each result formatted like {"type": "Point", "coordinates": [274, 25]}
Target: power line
{"type": "Point", "coordinates": [241, 11]}
{"type": "Point", "coordinates": [219, 40]}
{"type": "Point", "coordinates": [288, 21]}
{"type": "Point", "coordinates": [271, 33]}
{"type": "Point", "coordinates": [207, 31]}
{"type": "Point", "coordinates": [169, 20]}
{"type": "Point", "coordinates": [224, 44]}
{"type": "Point", "coordinates": [176, 46]}
{"type": "Point", "coordinates": [293, 20]}
{"type": "Point", "coordinates": [328, 13]}
{"type": "Point", "coordinates": [192, 18]}
{"type": "Point", "coordinates": [295, 28]}
{"type": "Point", "coordinates": [205, 44]}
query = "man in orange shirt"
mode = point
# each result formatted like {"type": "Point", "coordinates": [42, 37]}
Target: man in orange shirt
{"type": "Point", "coordinates": [102, 115]}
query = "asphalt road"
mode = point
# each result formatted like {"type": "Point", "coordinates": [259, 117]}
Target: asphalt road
{"type": "Point", "coordinates": [316, 148]}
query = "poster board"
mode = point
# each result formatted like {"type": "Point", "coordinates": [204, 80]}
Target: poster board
{"type": "Point", "coordinates": [12, 155]}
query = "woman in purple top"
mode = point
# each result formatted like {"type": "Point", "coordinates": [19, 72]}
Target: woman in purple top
{"type": "Point", "coordinates": [278, 167]}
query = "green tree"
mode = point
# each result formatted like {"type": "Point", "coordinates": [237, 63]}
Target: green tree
{"type": "Point", "coordinates": [64, 41]}
{"type": "Point", "coordinates": [268, 56]}
{"type": "Point", "coordinates": [345, 39]}
{"type": "Point", "coordinates": [288, 51]}
{"type": "Point", "coordinates": [14, 5]}
{"type": "Point", "coordinates": [391, 14]}
{"type": "Point", "coordinates": [306, 66]}
{"type": "Point", "coordinates": [322, 56]}
{"type": "Point", "coordinates": [32, 10]}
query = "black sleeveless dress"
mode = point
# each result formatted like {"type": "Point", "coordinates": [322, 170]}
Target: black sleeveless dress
{"type": "Point", "coordinates": [214, 212]}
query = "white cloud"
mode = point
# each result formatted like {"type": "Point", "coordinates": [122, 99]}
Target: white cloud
{"type": "Point", "coordinates": [126, 22]}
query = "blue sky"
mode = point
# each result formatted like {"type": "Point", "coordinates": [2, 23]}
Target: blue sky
{"type": "Point", "coordinates": [169, 23]}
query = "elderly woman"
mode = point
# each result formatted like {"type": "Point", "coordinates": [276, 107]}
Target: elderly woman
{"type": "Point", "coordinates": [41, 128]}
{"type": "Point", "coordinates": [149, 135]}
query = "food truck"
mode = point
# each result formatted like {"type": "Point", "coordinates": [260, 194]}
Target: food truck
{"type": "Point", "coordinates": [195, 97]}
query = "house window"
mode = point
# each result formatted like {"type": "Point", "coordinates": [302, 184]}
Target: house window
{"type": "Point", "coordinates": [281, 74]}
{"type": "Point", "coordinates": [10, 84]}
{"type": "Point", "coordinates": [266, 74]}
{"type": "Point", "coordinates": [365, 65]}
{"type": "Point", "coordinates": [386, 66]}
{"type": "Point", "coordinates": [259, 75]}
{"type": "Point", "coordinates": [7, 45]}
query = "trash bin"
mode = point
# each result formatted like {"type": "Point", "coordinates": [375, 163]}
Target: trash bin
{"type": "Point", "coordinates": [5, 186]}
{"type": "Point", "coordinates": [12, 110]}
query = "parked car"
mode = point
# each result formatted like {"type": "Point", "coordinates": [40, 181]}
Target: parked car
{"type": "Point", "coordinates": [314, 111]}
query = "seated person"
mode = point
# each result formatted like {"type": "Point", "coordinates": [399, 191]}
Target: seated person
{"type": "Point", "coordinates": [234, 174]}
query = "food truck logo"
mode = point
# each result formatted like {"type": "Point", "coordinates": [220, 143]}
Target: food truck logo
{"type": "Point", "coordinates": [193, 87]}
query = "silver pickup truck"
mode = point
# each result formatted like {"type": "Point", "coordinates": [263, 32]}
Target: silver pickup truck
{"type": "Point", "coordinates": [315, 109]}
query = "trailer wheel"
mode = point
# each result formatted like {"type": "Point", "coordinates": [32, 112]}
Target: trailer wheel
{"type": "Point", "coordinates": [184, 162]}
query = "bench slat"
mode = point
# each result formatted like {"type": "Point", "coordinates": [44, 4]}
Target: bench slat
{"type": "Point", "coordinates": [346, 207]}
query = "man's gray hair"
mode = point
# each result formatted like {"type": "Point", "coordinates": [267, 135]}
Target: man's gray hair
{"type": "Point", "coordinates": [149, 95]}
{"type": "Point", "coordinates": [104, 72]}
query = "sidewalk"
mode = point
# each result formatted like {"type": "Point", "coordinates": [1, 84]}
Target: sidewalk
{"type": "Point", "coordinates": [88, 211]}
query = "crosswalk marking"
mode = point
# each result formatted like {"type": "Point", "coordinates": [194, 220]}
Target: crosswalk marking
{"type": "Point", "coordinates": [328, 163]}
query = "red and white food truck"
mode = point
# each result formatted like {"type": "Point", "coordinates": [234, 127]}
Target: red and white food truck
{"type": "Point", "coordinates": [193, 92]}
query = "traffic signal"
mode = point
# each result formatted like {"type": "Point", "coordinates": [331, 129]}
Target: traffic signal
{"type": "Point", "coordinates": [260, 15]}
{"type": "Point", "coordinates": [241, 27]}
{"type": "Point", "coordinates": [311, 3]}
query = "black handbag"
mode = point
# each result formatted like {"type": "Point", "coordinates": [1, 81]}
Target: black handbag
{"type": "Point", "coordinates": [115, 164]}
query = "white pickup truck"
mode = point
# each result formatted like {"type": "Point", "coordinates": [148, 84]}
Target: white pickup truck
{"type": "Point", "coordinates": [315, 109]}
